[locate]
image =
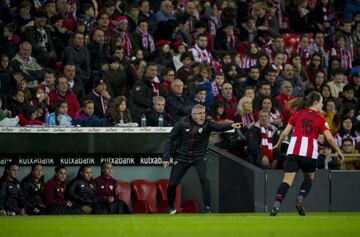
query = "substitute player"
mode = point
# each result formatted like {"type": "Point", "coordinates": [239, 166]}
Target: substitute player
{"type": "Point", "coordinates": [302, 152]}
{"type": "Point", "coordinates": [193, 133]}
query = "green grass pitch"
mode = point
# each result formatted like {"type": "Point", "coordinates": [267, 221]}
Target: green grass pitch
{"type": "Point", "coordinates": [219, 225]}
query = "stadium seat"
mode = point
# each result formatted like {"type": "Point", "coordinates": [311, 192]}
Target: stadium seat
{"type": "Point", "coordinates": [145, 197]}
{"type": "Point", "coordinates": [190, 206]}
{"type": "Point", "coordinates": [124, 192]}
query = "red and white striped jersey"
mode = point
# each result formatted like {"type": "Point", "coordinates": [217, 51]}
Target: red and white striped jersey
{"type": "Point", "coordinates": [307, 124]}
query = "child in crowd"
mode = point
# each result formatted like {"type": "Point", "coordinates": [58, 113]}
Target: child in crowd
{"type": "Point", "coordinates": [60, 116]}
{"type": "Point", "coordinates": [49, 81]}
{"type": "Point", "coordinates": [17, 105]}
{"type": "Point", "coordinates": [118, 112]}
{"type": "Point", "coordinates": [217, 83]}
{"type": "Point", "coordinates": [86, 117]}
{"type": "Point", "coordinates": [29, 116]}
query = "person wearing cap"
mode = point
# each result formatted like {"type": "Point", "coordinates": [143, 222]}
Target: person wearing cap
{"type": "Point", "coordinates": [121, 28]}
{"type": "Point", "coordinates": [40, 38]}
{"type": "Point", "coordinates": [162, 55]}
{"type": "Point", "coordinates": [141, 39]}
{"type": "Point", "coordinates": [179, 48]}
{"type": "Point", "coordinates": [100, 96]}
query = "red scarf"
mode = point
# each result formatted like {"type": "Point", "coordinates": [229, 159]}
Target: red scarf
{"type": "Point", "coordinates": [156, 86]}
{"type": "Point", "coordinates": [266, 142]}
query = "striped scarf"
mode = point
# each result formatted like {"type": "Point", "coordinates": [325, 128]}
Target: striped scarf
{"type": "Point", "coordinates": [155, 82]}
{"type": "Point", "coordinates": [146, 40]}
{"type": "Point", "coordinates": [344, 55]}
{"type": "Point", "coordinates": [266, 142]}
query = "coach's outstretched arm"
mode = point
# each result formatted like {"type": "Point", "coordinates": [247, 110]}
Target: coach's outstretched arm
{"type": "Point", "coordinates": [332, 143]}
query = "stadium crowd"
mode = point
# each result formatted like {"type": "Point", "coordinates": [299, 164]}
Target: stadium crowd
{"type": "Point", "coordinates": [112, 62]}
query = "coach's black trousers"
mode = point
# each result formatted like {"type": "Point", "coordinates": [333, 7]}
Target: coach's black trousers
{"type": "Point", "coordinates": [178, 171]}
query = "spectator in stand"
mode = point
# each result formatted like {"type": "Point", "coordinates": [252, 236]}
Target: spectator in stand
{"type": "Point", "coordinates": [82, 190]}
{"type": "Point", "coordinates": [217, 83]}
{"type": "Point", "coordinates": [350, 162]}
{"type": "Point", "coordinates": [5, 79]}
{"type": "Point", "coordinates": [143, 92]}
{"type": "Point", "coordinates": [33, 189]}
{"type": "Point", "coordinates": [285, 97]}
{"type": "Point", "coordinates": [201, 54]}
{"type": "Point", "coordinates": [347, 131]}
{"type": "Point", "coordinates": [40, 38]}
{"type": "Point", "coordinates": [266, 23]}
{"type": "Point", "coordinates": [164, 14]}
{"type": "Point", "coordinates": [270, 77]}
{"type": "Point", "coordinates": [54, 195]}
{"type": "Point", "coordinates": [250, 58]}
{"type": "Point", "coordinates": [141, 39]}
{"type": "Point", "coordinates": [17, 105]}
{"type": "Point", "coordinates": [318, 47]}
{"type": "Point", "coordinates": [76, 85]}
{"type": "Point", "coordinates": [77, 54]}
{"type": "Point", "coordinates": [326, 93]}
{"type": "Point", "coordinates": [50, 8]}
{"type": "Point", "coordinates": [158, 110]}
{"type": "Point", "coordinates": [263, 63]}
{"type": "Point", "coordinates": [60, 115]}
{"type": "Point", "coordinates": [67, 9]}
{"type": "Point", "coordinates": [302, 50]}
{"type": "Point", "coordinates": [99, 53]}
{"type": "Point", "coordinates": [229, 100]}
{"type": "Point", "coordinates": [249, 92]}
{"type": "Point", "coordinates": [22, 17]}
{"type": "Point", "coordinates": [29, 116]}
{"type": "Point", "coordinates": [184, 72]}
{"type": "Point", "coordinates": [331, 115]}
{"type": "Point", "coordinates": [217, 111]}
{"type": "Point", "coordinates": [145, 11]}
{"type": "Point", "coordinates": [315, 64]}
{"type": "Point", "coordinates": [48, 83]}
{"type": "Point", "coordinates": [121, 28]}
{"type": "Point", "coordinates": [317, 83]}
{"type": "Point", "coordinates": [10, 40]}
{"type": "Point", "coordinates": [177, 105]}
{"type": "Point", "coordinates": [248, 30]}
{"type": "Point", "coordinates": [300, 17]}
{"type": "Point", "coordinates": [87, 16]}
{"type": "Point", "coordinates": [24, 62]}
{"type": "Point", "coordinates": [342, 52]}
{"type": "Point", "coordinates": [275, 115]}
{"type": "Point", "coordinates": [225, 38]}
{"type": "Point", "coordinates": [278, 64]}
{"type": "Point", "coordinates": [355, 83]}
{"type": "Point", "coordinates": [59, 35]}
{"type": "Point", "coordinates": [337, 84]}
{"type": "Point", "coordinates": [168, 77]}
{"type": "Point", "coordinates": [11, 195]}
{"type": "Point", "coordinates": [101, 97]}
{"type": "Point", "coordinates": [347, 99]}
{"type": "Point", "coordinates": [289, 75]}
{"type": "Point", "coordinates": [262, 136]}
{"type": "Point", "coordinates": [63, 92]}
{"type": "Point", "coordinates": [277, 47]}
{"type": "Point", "coordinates": [118, 113]}
{"type": "Point", "coordinates": [299, 69]}
{"type": "Point", "coordinates": [244, 114]}
{"type": "Point", "coordinates": [86, 117]}
{"type": "Point", "coordinates": [107, 197]}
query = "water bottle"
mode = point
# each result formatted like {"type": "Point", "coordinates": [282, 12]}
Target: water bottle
{"type": "Point", "coordinates": [161, 120]}
{"type": "Point", "coordinates": [143, 120]}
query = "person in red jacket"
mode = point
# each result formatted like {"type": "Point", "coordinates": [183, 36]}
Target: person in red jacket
{"type": "Point", "coordinates": [29, 117]}
{"type": "Point", "coordinates": [54, 194]}
{"type": "Point", "coordinates": [63, 92]}
{"type": "Point", "coordinates": [108, 201]}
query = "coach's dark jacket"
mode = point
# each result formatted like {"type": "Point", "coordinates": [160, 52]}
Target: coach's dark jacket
{"type": "Point", "coordinates": [81, 192]}
{"type": "Point", "coordinates": [11, 196]}
{"type": "Point", "coordinates": [193, 138]}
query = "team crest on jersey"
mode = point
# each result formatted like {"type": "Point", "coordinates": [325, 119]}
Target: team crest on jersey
{"type": "Point", "coordinates": [200, 130]}
{"type": "Point", "coordinates": [111, 187]}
